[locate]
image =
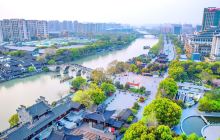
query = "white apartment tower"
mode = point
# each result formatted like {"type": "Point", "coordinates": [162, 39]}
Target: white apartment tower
{"type": "Point", "coordinates": [42, 29]}
{"type": "Point", "coordinates": [1, 35]}
{"type": "Point", "coordinates": [14, 30]}
{"type": "Point", "coordinates": [215, 51]}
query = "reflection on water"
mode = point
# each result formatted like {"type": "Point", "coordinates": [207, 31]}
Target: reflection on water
{"type": "Point", "coordinates": [26, 91]}
{"type": "Point", "coordinates": [193, 124]}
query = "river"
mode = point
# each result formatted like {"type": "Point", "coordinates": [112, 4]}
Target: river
{"type": "Point", "coordinates": [25, 91]}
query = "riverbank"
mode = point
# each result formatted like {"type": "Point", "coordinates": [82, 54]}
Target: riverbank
{"type": "Point", "coordinates": [26, 90]}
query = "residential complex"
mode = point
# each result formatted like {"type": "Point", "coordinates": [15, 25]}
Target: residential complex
{"type": "Point", "coordinates": [211, 17]}
{"type": "Point", "coordinates": [17, 30]}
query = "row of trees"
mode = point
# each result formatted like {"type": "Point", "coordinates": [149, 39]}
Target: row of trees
{"type": "Point", "coordinates": [189, 70]}
{"type": "Point", "coordinates": [106, 42]}
{"type": "Point", "coordinates": [155, 50]}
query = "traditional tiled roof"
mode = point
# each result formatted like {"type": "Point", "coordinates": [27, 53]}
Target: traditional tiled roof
{"type": "Point", "coordinates": [124, 114]}
{"type": "Point", "coordinates": [38, 109]}
{"type": "Point", "coordinates": [57, 135]}
{"type": "Point", "coordinates": [26, 130]}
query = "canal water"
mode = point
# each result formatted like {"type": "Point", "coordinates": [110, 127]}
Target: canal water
{"type": "Point", "coordinates": [25, 91]}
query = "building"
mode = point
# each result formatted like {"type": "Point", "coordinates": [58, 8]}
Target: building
{"type": "Point", "coordinates": [187, 29]}
{"type": "Point", "coordinates": [177, 29]}
{"type": "Point", "coordinates": [54, 26]}
{"type": "Point", "coordinates": [190, 93]}
{"type": "Point", "coordinates": [201, 42]}
{"type": "Point", "coordinates": [198, 28]}
{"type": "Point", "coordinates": [215, 50]}
{"type": "Point", "coordinates": [18, 30]}
{"type": "Point", "coordinates": [32, 29]}
{"type": "Point", "coordinates": [1, 35]}
{"type": "Point", "coordinates": [36, 118]}
{"type": "Point", "coordinates": [42, 29]}
{"type": "Point", "coordinates": [211, 17]}
{"type": "Point", "coordinates": [14, 30]}
{"type": "Point", "coordinates": [111, 120]}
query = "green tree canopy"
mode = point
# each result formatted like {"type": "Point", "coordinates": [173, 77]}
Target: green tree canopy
{"type": "Point", "coordinates": [51, 62]}
{"type": "Point", "coordinates": [108, 88]}
{"type": "Point", "coordinates": [210, 101]}
{"type": "Point", "coordinates": [167, 112]}
{"type": "Point", "coordinates": [135, 131]}
{"type": "Point", "coordinates": [83, 98]}
{"type": "Point", "coordinates": [13, 120]}
{"type": "Point", "coordinates": [31, 69]}
{"type": "Point", "coordinates": [78, 83]}
{"type": "Point", "coordinates": [167, 88]}
{"type": "Point", "coordinates": [96, 94]}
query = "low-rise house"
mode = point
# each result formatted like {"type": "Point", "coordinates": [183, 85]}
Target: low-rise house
{"type": "Point", "coordinates": [108, 120]}
{"type": "Point", "coordinates": [60, 135]}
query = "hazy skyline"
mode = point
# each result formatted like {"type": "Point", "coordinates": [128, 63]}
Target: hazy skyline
{"type": "Point", "coordinates": [134, 12]}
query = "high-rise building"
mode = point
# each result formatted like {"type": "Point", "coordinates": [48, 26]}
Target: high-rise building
{"type": "Point", "coordinates": [32, 29]}
{"type": "Point", "coordinates": [54, 26]}
{"type": "Point", "coordinates": [211, 17]}
{"type": "Point", "coordinates": [198, 28]}
{"type": "Point", "coordinates": [67, 26]}
{"type": "Point", "coordinates": [215, 51]}
{"type": "Point", "coordinates": [187, 28]}
{"type": "Point", "coordinates": [14, 30]}
{"type": "Point", "coordinates": [1, 35]}
{"type": "Point", "coordinates": [42, 29]}
{"type": "Point", "coordinates": [177, 29]}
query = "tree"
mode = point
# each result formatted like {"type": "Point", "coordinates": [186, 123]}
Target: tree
{"type": "Point", "coordinates": [96, 94]}
{"type": "Point", "coordinates": [210, 101]}
{"type": "Point", "coordinates": [98, 76]}
{"type": "Point", "coordinates": [167, 88]}
{"type": "Point", "coordinates": [51, 62]}
{"type": "Point", "coordinates": [31, 69]}
{"type": "Point", "coordinates": [83, 97]}
{"type": "Point", "coordinates": [108, 88]}
{"type": "Point", "coordinates": [78, 83]}
{"type": "Point", "coordinates": [133, 68]}
{"type": "Point", "coordinates": [163, 133]}
{"type": "Point", "coordinates": [13, 120]}
{"type": "Point", "coordinates": [135, 131]}
{"type": "Point", "coordinates": [167, 112]}
{"type": "Point", "coordinates": [117, 67]}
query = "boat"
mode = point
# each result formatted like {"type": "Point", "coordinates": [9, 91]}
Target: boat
{"type": "Point", "coordinates": [146, 47]}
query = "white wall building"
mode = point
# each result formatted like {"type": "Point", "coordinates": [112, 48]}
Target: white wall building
{"type": "Point", "coordinates": [190, 93]}
{"type": "Point", "coordinates": [215, 50]}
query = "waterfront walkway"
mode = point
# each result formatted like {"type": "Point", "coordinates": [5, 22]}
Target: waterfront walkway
{"type": "Point", "coordinates": [211, 132]}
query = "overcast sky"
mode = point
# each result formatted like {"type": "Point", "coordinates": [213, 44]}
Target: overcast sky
{"type": "Point", "coordinates": [135, 12]}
